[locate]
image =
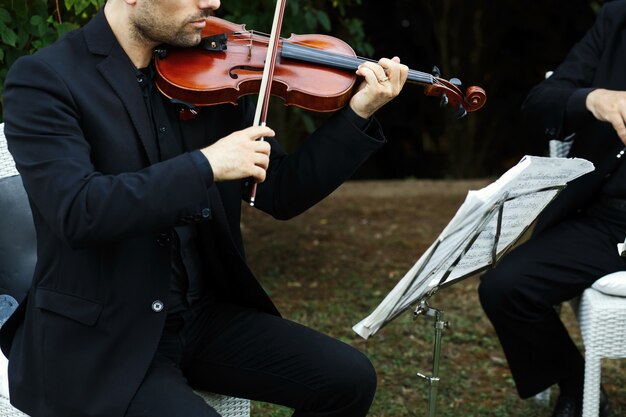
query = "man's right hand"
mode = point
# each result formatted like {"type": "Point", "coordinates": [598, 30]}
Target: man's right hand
{"type": "Point", "coordinates": [609, 106]}
{"type": "Point", "coordinates": [240, 154]}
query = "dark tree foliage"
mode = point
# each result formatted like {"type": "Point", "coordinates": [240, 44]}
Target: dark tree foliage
{"type": "Point", "coordinates": [504, 47]}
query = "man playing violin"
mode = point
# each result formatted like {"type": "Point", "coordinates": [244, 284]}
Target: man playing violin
{"type": "Point", "coordinates": [141, 291]}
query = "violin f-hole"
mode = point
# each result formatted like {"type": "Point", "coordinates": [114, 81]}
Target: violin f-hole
{"type": "Point", "coordinates": [233, 71]}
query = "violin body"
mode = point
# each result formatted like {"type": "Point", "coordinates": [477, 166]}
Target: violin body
{"type": "Point", "coordinates": [315, 72]}
{"type": "Point", "coordinates": [204, 77]}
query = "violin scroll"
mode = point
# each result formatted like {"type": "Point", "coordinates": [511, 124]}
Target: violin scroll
{"type": "Point", "coordinates": [451, 93]}
{"type": "Point", "coordinates": [475, 98]}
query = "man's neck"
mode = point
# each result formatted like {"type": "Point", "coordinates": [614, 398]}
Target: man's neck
{"type": "Point", "coordinates": [117, 14]}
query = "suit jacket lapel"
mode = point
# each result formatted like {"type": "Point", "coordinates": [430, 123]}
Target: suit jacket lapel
{"type": "Point", "coordinates": [120, 73]}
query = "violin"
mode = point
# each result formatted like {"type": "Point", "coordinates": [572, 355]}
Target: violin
{"type": "Point", "coordinates": [314, 72]}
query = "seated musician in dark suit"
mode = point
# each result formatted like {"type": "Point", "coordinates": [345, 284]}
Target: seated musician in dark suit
{"type": "Point", "coordinates": [141, 290]}
{"type": "Point", "coordinates": [575, 240]}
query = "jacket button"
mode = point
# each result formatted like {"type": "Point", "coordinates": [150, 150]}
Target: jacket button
{"type": "Point", "coordinates": [164, 240]}
{"type": "Point", "coordinates": [157, 306]}
{"type": "Point", "coordinates": [206, 213]}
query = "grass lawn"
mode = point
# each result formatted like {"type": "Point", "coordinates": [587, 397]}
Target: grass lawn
{"type": "Point", "coordinates": [330, 267]}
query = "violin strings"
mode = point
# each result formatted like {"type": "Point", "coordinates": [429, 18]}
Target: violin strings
{"type": "Point", "coordinates": [325, 57]}
{"type": "Point", "coordinates": [263, 38]}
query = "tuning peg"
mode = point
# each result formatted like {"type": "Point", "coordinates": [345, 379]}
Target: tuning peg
{"type": "Point", "coordinates": [456, 82]}
{"type": "Point", "coordinates": [436, 71]}
{"type": "Point", "coordinates": [461, 112]}
{"type": "Point", "coordinates": [444, 100]}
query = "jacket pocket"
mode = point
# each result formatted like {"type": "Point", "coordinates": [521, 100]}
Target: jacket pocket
{"type": "Point", "coordinates": [79, 309]}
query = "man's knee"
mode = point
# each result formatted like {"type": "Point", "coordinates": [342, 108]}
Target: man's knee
{"type": "Point", "coordinates": [351, 388]}
{"type": "Point", "coordinates": [356, 375]}
{"type": "Point", "coordinates": [363, 379]}
{"type": "Point", "coordinates": [496, 289]}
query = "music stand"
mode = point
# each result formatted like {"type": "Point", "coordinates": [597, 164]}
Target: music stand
{"type": "Point", "coordinates": [489, 223]}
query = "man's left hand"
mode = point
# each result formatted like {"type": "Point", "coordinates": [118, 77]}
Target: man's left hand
{"type": "Point", "coordinates": [382, 82]}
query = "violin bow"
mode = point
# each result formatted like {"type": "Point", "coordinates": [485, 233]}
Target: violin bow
{"type": "Point", "coordinates": [260, 116]}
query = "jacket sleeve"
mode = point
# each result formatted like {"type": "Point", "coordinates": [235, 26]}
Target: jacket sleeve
{"type": "Point", "coordinates": [298, 180]}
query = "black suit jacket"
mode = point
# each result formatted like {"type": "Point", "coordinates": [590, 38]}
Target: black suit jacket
{"type": "Point", "coordinates": [556, 108]}
{"type": "Point", "coordinates": [104, 208]}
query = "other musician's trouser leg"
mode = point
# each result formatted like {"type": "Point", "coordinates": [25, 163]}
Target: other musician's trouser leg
{"type": "Point", "coordinates": [519, 296]}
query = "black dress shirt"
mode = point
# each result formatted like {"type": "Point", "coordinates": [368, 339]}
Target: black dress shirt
{"type": "Point", "coordinates": [186, 285]}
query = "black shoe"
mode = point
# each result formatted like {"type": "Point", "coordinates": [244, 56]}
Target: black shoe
{"type": "Point", "coordinates": [573, 407]}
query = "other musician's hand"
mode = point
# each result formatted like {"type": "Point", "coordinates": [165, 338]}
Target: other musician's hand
{"type": "Point", "coordinates": [240, 154]}
{"type": "Point", "coordinates": [609, 106]}
{"type": "Point", "coordinates": [382, 82]}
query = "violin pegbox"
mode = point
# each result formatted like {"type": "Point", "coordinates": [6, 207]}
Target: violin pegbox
{"type": "Point", "coordinates": [450, 92]}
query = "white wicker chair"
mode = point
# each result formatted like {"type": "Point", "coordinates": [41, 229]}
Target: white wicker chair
{"type": "Point", "coordinates": [602, 321]}
{"type": "Point", "coordinates": [225, 406]}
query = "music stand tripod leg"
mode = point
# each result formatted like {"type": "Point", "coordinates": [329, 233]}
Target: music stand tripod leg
{"type": "Point", "coordinates": [433, 380]}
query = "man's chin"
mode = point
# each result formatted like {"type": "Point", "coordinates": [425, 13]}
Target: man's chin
{"type": "Point", "coordinates": [187, 41]}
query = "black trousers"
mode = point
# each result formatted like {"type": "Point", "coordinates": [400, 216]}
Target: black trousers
{"type": "Point", "coordinates": [519, 296]}
{"type": "Point", "coordinates": [231, 350]}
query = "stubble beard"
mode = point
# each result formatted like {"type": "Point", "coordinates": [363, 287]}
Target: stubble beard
{"type": "Point", "coordinates": [154, 30]}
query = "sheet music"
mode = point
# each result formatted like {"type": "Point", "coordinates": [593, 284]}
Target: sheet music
{"type": "Point", "coordinates": [471, 240]}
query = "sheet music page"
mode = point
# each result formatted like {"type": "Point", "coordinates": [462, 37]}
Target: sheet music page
{"type": "Point", "coordinates": [467, 243]}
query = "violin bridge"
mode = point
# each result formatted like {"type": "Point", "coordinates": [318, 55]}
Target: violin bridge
{"type": "Point", "coordinates": [250, 45]}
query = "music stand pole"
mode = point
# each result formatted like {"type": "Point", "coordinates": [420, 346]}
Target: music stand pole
{"type": "Point", "coordinates": [433, 380]}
